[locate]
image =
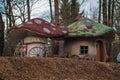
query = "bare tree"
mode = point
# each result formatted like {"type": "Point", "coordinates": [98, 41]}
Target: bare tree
{"type": "Point", "coordinates": [9, 13]}
{"type": "Point", "coordinates": [104, 11]}
{"type": "Point", "coordinates": [1, 35]}
{"type": "Point", "coordinates": [116, 22]}
{"type": "Point", "coordinates": [109, 13]}
{"type": "Point", "coordinates": [56, 12]}
{"type": "Point", "coordinates": [100, 5]}
{"type": "Point", "coordinates": [118, 1]}
{"type": "Point", "coordinates": [112, 14]}
{"type": "Point", "coordinates": [28, 9]}
{"type": "Point", "coordinates": [51, 15]}
{"type": "Point", "coordinates": [17, 10]}
{"type": "Point", "coordinates": [108, 16]}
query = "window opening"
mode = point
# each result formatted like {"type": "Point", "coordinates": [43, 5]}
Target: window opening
{"type": "Point", "coordinates": [83, 49]}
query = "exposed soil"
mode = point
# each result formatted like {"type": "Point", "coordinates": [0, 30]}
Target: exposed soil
{"type": "Point", "coordinates": [24, 68]}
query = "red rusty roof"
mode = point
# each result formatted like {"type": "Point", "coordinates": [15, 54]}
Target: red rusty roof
{"type": "Point", "coordinates": [42, 27]}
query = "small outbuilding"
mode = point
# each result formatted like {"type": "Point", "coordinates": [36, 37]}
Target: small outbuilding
{"type": "Point", "coordinates": [31, 38]}
{"type": "Point", "coordinates": [87, 40]}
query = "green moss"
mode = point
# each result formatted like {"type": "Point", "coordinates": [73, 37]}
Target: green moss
{"type": "Point", "coordinates": [87, 27]}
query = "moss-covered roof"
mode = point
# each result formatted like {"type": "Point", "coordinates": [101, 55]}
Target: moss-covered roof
{"type": "Point", "coordinates": [86, 27]}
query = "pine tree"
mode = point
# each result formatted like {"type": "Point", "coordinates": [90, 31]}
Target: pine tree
{"type": "Point", "coordinates": [69, 11]}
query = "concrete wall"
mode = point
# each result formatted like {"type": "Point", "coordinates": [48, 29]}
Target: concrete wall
{"type": "Point", "coordinates": [31, 39]}
{"type": "Point", "coordinates": [73, 46]}
{"type": "Point", "coordinates": [32, 42]}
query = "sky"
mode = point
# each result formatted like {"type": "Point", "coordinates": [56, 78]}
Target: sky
{"type": "Point", "coordinates": [41, 8]}
{"type": "Point", "coordinates": [1, 6]}
{"type": "Point", "coordinates": [90, 7]}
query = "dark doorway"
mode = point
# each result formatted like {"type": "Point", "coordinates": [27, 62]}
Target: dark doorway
{"type": "Point", "coordinates": [101, 51]}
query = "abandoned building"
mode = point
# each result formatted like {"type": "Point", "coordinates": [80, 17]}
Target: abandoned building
{"type": "Point", "coordinates": [86, 39]}
{"type": "Point", "coordinates": [31, 38]}
{"type": "Point", "coordinates": [82, 39]}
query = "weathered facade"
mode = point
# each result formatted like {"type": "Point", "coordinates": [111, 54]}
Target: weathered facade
{"type": "Point", "coordinates": [95, 49]}
{"type": "Point", "coordinates": [31, 46]}
{"type": "Point", "coordinates": [31, 38]}
{"type": "Point", "coordinates": [86, 40]}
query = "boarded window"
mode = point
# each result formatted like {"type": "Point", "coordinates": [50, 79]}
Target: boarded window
{"type": "Point", "coordinates": [83, 49]}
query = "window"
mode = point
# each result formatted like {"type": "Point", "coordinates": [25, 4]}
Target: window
{"type": "Point", "coordinates": [83, 49]}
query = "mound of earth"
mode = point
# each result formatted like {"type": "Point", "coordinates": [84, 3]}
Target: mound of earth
{"type": "Point", "coordinates": [24, 68]}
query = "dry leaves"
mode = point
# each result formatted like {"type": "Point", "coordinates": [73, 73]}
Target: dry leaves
{"type": "Point", "coordinates": [25, 68]}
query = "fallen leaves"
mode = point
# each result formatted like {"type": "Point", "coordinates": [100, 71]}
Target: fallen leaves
{"type": "Point", "coordinates": [25, 68]}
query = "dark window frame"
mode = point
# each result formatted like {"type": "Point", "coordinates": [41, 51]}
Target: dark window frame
{"type": "Point", "coordinates": [83, 49]}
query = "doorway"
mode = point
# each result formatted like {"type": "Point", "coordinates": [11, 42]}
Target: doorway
{"type": "Point", "coordinates": [100, 51]}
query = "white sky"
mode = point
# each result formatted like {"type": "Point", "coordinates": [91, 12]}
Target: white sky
{"type": "Point", "coordinates": [90, 7]}
{"type": "Point", "coordinates": [41, 8]}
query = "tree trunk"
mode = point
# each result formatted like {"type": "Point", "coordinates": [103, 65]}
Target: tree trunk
{"type": "Point", "coordinates": [99, 16]}
{"type": "Point", "coordinates": [28, 9]}
{"type": "Point", "coordinates": [13, 20]}
{"type": "Point", "coordinates": [113, 6]}
{"type": "Point", "coordinates": [104, 12]}
{"type": "Point", "coordinates": [1, 35]}
{"type": "Point", "coordinates": [51, 11]}
{"type": "Point", "coordinates": [109, 13]}
{"type": "Point", "coordinates": [56, 12]}
{"type": "Point", "coordinates": [9, 12]}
